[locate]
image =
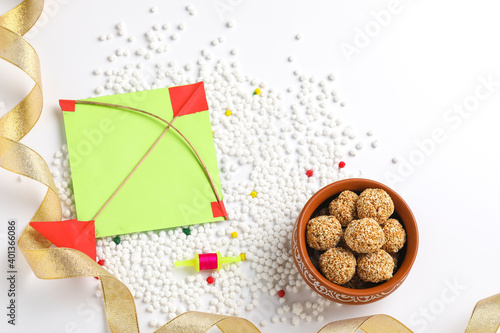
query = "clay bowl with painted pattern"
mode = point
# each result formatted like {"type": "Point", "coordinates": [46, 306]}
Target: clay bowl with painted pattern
{"type": "Point", "coordinates": [306, 258]}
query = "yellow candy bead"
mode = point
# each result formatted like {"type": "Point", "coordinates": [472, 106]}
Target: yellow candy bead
{"type": "Point", "coordinates": [253, 194]}
{"type": "Point", "coordinates": [257, 91]}
{"type": "Point", "coordinates": [228, 113]}
{"type": "Point", "coordinates": [243, 256]}
{"type": "Point", "coordinates": [234, 234]}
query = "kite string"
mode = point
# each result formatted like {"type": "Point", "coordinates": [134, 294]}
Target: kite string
{"type": "Point", "coordinates": [133, 171]}
{"type": "Point", "coordinates": [169, 124]}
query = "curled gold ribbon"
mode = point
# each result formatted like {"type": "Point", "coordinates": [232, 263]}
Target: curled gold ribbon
{"type": "Point", "coordinates": [60, 263]}
{"type": "Point", "coordinates": [201, 322]}
{"type": "Point", "coordinates": [485, 317]}
{"type": "Point", "coordinates": [16, 50]}
{"type": "Point", "coordinates": [371, 324]}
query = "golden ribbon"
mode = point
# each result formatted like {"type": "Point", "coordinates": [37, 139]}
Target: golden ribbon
{"type": "Point", "coordinates": [485, 317]}
{"type": "Point", "coordinates": [61, 263]}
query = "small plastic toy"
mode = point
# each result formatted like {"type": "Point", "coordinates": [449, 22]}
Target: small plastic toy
{"type": "Point", "coordinates": [205, 261]}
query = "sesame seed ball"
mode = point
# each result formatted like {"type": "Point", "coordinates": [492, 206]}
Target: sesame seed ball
{"type": "Point", "coordinates": [376, 267]}
{"type": "Point", "coordinates": [323, 232]}
{"type": "Point", "coordinates": [322, 211]}
{"type": "Point", "coordinates": [395, 236]}
{"type": "Point", "coordinates": [344, 207]}
{"type": "Point", "coordinates": [375, 203]}
{"type": "Point", "coordinates": [364, 236]}
{"type": "Point", "coordinates": [344, 245]}
{"type": "Point", "coordinates": [337, 265]}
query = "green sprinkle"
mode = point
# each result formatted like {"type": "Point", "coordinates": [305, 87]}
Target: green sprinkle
{"type": "Point", "coordinates": [187, 231]}
{"type": "Point", "coordinates": [116, 240]}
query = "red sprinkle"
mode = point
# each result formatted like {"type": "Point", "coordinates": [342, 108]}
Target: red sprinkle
{"type": "Point", "coordinates": [210, 280]}
{"type": "Point", "coordinates": [341, 164]}
{"type": "Point", "coordinates": [95, 277]}
{"type": "Point", "coordinates": [281, 293]}
{"type": "Point", "coordinates": [309, 173]}
{"type": "Point", "coordinates": [101, 262]}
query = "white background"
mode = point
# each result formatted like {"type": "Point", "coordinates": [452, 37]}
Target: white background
{"type": "Point", "coordinates": [400, 83]}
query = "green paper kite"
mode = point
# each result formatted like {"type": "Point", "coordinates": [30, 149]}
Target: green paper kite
{"type": "Point", "coordinates": [143, 160]}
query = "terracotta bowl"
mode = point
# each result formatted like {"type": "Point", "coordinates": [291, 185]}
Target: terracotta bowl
{"type": "Point", "coordinates": [335, 292]}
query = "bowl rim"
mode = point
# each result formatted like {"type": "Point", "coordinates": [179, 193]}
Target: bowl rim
{"type": "Point", "coordinates": [409, 224]}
